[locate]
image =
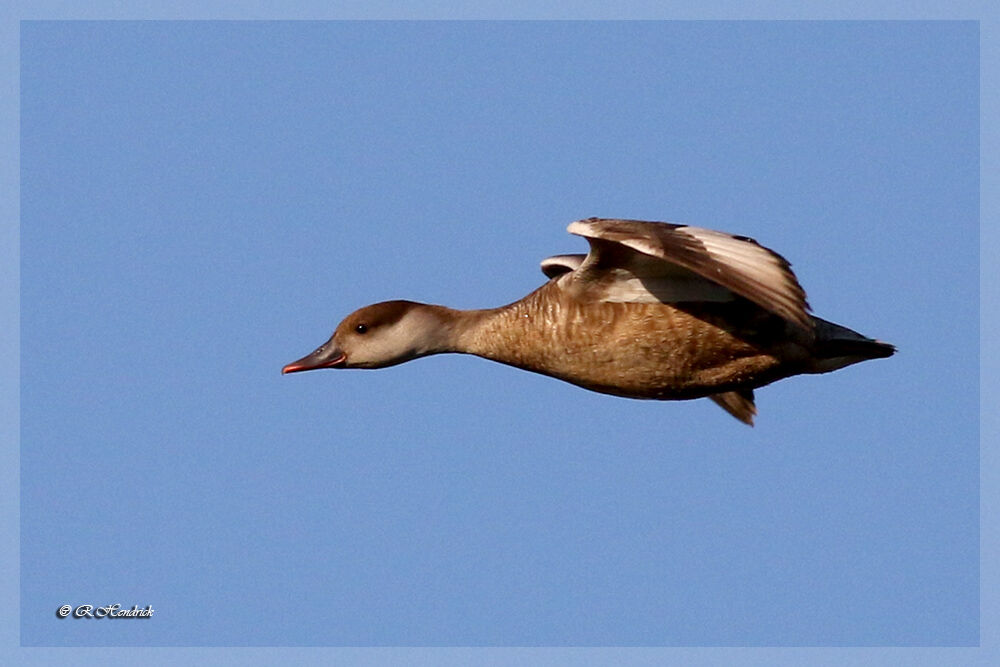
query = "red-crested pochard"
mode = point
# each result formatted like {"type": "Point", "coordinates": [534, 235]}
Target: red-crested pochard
{"type": "Point", "coordinates": [655, 310]}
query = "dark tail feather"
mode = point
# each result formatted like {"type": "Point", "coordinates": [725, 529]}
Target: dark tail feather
{"type": "Point", "coordinates": [738, 403]}
{"type": "Point", "coordinates": [838, 346]}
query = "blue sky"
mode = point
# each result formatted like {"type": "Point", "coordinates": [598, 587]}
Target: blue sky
{"type": "Point", "coordinates": [201, 203]}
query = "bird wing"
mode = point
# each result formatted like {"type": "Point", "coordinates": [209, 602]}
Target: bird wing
{"type": "Point", "coordinates": [557, 265]}
{"type": "Point", "coordinates": [638, 261]}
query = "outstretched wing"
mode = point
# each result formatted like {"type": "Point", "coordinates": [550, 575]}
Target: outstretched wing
{"type": "Point", "coordinates": [636, 260]}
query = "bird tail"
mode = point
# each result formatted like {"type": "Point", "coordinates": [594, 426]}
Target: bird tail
{"type": "Point", "coordinates": [838, 346]}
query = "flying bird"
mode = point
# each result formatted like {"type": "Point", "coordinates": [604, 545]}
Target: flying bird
{"type": "Point", "coordinates": [654, 310]}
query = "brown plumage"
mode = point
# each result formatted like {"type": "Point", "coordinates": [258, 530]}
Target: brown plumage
{"type": "Point", "coordinates": [654, 310]}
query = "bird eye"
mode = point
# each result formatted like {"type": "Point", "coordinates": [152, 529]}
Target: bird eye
{"type": "Point", "coordinates": [361, 328]}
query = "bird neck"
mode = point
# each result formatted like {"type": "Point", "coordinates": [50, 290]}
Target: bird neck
{"type": "Point", "coordinates": [504, 334]}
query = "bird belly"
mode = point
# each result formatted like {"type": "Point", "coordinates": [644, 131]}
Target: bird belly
{"type": "Point", "coordinates": [650, 351]}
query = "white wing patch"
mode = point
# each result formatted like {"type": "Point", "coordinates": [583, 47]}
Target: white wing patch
{"type": "Point", "coordinates": [661, 290]}
{"type": "Point", "coordinates": [644, 279]}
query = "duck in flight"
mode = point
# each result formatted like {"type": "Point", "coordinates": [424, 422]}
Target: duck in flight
{"type": "Point", "coordinates": [655, 310]}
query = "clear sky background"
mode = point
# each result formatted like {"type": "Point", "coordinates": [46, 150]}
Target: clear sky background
{"type": "Point", "coordinates": [202, 203]}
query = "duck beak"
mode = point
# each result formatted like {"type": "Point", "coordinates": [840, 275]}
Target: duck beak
{"type": "Point", "coordinates": [327, 356]}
